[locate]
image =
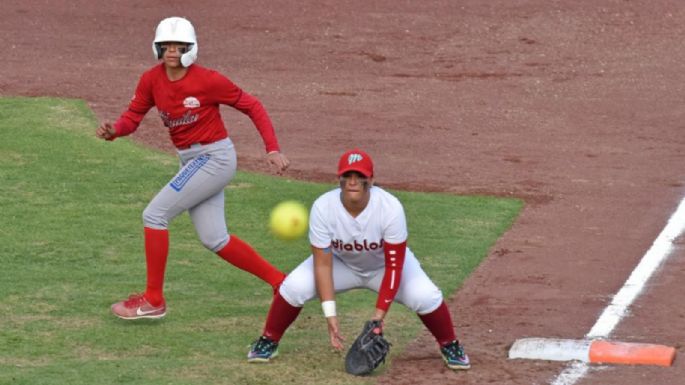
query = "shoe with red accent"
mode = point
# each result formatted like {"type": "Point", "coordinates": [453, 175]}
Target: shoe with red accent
{"type": "Point", "coordinates": [136, 307]}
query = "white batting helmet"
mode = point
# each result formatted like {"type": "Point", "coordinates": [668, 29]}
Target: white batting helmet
{"type": "Point", "coordinates": [176, 29]}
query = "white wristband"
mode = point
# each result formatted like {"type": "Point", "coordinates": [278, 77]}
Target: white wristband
{"type": "Point", "coordinates": [328, 308]}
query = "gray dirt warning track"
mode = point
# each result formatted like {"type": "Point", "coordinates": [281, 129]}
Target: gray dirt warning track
{"type": "Point", "coordinates": [575, 106]}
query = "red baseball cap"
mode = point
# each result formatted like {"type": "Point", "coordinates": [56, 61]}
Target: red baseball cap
{"type": "Point", "coordinates": [356, 160]}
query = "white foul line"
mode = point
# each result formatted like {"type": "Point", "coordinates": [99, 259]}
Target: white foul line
{"type": "Point", "coordinates": [614, 313]}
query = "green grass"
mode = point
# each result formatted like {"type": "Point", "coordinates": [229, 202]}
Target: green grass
{"type": "Point", "coordinates": [71, 244]}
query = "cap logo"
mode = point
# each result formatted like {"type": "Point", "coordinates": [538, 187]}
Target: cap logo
{"type": "Point", "coordinates": [353, 158]}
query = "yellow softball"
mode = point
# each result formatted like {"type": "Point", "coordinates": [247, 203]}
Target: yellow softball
{"type": "Point", "coordinates": [289, 220]}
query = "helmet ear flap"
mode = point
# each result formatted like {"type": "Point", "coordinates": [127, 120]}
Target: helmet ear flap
{"type": "Point", "coordinates": [189, 57]}
{"type": "Point", "coordinates": [157, 50]}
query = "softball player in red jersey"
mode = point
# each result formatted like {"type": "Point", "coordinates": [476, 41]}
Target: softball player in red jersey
{"type": "Point", "coordinates": [358, 236]}
{"type": "Point", "coordinates": [187, 97]}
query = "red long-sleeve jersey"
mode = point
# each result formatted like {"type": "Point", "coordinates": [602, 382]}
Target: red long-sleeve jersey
{"type": "Point", "coordinates": [189, 107]}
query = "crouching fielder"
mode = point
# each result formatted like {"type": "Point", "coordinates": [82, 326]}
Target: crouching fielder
{"type": "Point", "coordinates": [358, 235]}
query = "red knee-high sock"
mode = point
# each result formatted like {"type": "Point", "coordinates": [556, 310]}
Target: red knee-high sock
{"type": "Point", "coordinates": [156, 252]}
{"type": "Point", "coordinates": [242, 256]}
{"type": "Point", "coordinates": [281, 316]}
{"type": "Point", "coordinates": [439, 323]}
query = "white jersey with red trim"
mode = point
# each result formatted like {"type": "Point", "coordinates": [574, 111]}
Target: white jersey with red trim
{"type": "Point", "coordinates": [358, 242]}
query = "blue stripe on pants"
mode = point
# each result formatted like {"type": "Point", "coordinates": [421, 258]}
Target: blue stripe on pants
{"type": "Point", "coordinates": [187, 173]}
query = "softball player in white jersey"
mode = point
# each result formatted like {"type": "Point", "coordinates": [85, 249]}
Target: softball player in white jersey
{"type": "Point", "coordinates": [358, 235]}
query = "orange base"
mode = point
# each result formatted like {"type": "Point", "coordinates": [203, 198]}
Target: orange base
{"type": "Point", "coordinates": [631, 353]}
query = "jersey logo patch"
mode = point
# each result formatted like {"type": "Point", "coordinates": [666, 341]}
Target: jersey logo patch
{"type": "Point", "coordinates": [188, 172]}
{"type": "Point", "coordinates": [191, 102]}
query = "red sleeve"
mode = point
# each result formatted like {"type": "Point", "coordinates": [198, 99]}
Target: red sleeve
{"type": "Point", "coordinates": [140, 104]}
{"type": "Point", "coordinates": [252, 107]}
{"type": "Point", "coordinates": [394, 262]}
{"type": "Point", "coordinates": [234, 96]}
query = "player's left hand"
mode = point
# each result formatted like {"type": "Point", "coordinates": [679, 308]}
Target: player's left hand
{"type": "Point", "coordinates": [278, 160]}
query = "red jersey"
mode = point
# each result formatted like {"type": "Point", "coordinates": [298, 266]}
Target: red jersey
{"type": "Point", "coordinates": [189, 107]}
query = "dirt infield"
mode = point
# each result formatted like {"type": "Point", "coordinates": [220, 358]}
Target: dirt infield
{"type": "Point", "coordinates": [575, 106]}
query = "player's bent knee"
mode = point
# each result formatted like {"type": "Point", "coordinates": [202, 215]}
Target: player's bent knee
{"type": "Point", "coordinates": [430, 302]}
{"type": "Point", "coordinates": [425, 301]}
{"type": "Point", "coordinates": [297, 292]}
{"type": "Point", "coordinates": [152, 218]}
{"type": "Point", "coordinates": [429, 306]}
{"type": "Point", "coordinates": [215, 243]}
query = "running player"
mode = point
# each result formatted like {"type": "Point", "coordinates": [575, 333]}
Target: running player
{"type": "Point", "coordinates": [187, 97]}
{"type": "Point", "coordinates": [358, 236]}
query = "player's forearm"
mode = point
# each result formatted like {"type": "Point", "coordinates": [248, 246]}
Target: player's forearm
{"type": "Point", "coordinates": [323, 274]}
{"type": "Point", "coordinates": [394, 263]}
{"type": "Point", "coordinates": [127, 123]}
{"type": "Point", "coordinates": [379, 314]}
{"type": "Point", "coordinates": [253, 108]}
{"type": "Point", "coordinates": [324, 285]}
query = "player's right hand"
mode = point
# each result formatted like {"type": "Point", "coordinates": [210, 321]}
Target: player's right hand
{"type": "Point", "coordinates": [106, 131]}
{"type": "Point", "coordinates": [334, 333]}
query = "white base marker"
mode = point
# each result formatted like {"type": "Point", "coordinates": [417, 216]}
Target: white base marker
{"type": "Point", "coordinates": [597, 351]}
